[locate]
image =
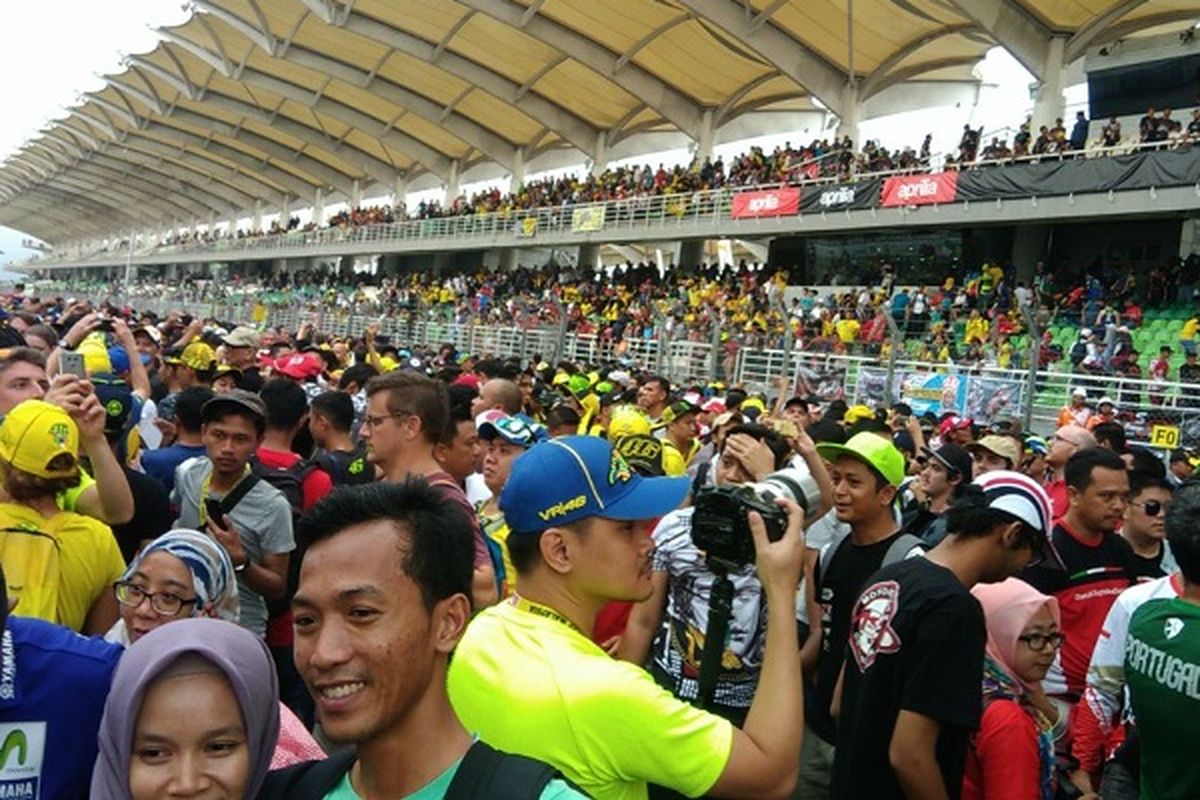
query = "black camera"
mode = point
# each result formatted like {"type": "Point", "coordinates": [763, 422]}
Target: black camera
{"type": "Point", "coordinates": [720, 522]}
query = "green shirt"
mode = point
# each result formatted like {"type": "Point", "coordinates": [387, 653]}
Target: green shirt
{"type": "Point", "coordinates": [1162, 671]}
{"type": "Point", "coordinates": [436, 789]}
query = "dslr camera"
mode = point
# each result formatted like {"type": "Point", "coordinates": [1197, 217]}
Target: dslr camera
{"type": "Point", "coordinates": [721, 525]}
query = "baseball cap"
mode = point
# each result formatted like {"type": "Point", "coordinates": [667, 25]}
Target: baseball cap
{"type": "Point", "coordinates": [643, 452]}
{"type": "Point", "coordinates": [1079, 391]}
{"type": "Point", "coordinates": [245, 401]}
{"type": "Point", "coordinates": [115, 394]}
{"type": "Point", "coordinates": [873, 450]}
{"type": "Point", "coordinates": [952, 457]}
{"type": "Point", "coordinates": [299, 366]}
{"type": "Point", "coordinates": [678, 409]}
{"type": "Point", "coordinates": [154, 333]}
{"type": "Point", "coordinates": [1037, 445]}
{"type": "Point", "coordinates": [591, 479]}
{"type": "Point", "coordinates": [241, 336]}
{"type": "Point", "coordinates": [628, 420]}
{"type": "Point", "coordinates": [1106, 399]}
{"type": "Point", "coordinates": [197, 355]}
{"type": "Point", "coordinates": [1024, 498]}
{"type": "Point", "coordinates": [953, 423]}
{"type": "Point", "coordinates": [517, 429]}
{"type": "Point", "coordinates": [858, 413]}
{"type": "Point", "coordinates": [34, 434]}
{"type": "Point", "coordinates": [1003, 446]}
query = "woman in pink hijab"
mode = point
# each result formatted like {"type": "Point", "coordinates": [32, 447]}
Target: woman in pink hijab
{"type": "Point", "coordinates": [1012, 754]}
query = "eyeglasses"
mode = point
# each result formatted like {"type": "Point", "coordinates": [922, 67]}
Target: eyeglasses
{"type": "Point", "coordinates": [1038, 641]}
{"type": "Point", "coordinates": [163, 603]}
{"type": "Point", "coordinates": [1152, 507]}
{"type": "Point", "coordinates": [375, 422]}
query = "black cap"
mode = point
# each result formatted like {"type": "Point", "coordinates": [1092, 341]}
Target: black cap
{"type": "Point", "coordinates": [953, 458]}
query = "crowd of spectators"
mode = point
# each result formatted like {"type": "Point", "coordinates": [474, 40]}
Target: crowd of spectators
{"type": "Point", "coordinates": [449, 569]}
{"type": "Point", "coordinates": [820, 160]}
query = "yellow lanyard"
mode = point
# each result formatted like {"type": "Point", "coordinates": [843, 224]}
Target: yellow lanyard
{"type": "Point", "coordinates": [204, 490]}
{"type": "Point", "coordinates": [537, 609]}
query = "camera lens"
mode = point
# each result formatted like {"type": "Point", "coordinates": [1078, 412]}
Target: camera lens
{"type": "Point", "coordinates": [794, 483]}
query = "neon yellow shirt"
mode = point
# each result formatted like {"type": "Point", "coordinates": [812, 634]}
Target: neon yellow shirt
{"type": "Point", "coordinates": [537, 687]}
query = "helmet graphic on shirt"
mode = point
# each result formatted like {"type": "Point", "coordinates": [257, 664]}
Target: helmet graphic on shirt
{"type": "Point", "coordinates": [871, 632]}
{"type": "Point", "coordinates": [1172, 627]}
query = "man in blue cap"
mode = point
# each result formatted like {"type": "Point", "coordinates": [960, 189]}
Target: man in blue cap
{"type": "Point", "coordinates": [529, 679]}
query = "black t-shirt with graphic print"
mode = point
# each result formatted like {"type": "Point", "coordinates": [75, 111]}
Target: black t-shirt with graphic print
{"type": "Point", "coordinates": [916, 643]}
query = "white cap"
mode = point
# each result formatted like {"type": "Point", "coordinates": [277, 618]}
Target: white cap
{"type": "Point", "coordinates": [1106, 399]}
{"type": "Point", "coordinates": [1079, 392]}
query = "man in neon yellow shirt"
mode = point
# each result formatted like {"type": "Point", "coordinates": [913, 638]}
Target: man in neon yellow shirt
{"type": "Point", "coordinates": [528, 678]}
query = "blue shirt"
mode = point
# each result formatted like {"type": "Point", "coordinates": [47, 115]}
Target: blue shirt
{"type": "Point", "coordinates": [53, 684]}
{"type": "Point", "coordinates": [161, 463]}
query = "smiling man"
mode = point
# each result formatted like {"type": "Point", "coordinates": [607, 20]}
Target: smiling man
{"type": "Point", "coordinates": [384, 597]}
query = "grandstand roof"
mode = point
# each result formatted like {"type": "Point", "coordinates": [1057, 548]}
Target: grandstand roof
{"type": "Point", "coordinates": [266, 101]}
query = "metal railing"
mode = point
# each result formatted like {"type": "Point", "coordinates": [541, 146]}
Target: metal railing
{"type": "Point", "coordinates": [1142, 403]}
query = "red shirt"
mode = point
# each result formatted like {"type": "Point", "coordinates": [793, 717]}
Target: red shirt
{"type": "Point", "coordinates": [1003, 761]}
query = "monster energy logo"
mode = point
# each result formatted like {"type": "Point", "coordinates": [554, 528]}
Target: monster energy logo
{"type": "Point", "coordinates": [14, 741]}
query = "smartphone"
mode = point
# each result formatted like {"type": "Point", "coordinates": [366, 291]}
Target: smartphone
{"type": "Point", "coordinates": [216, 512]}
{"type": "Point", "coordinates": [71, 363]}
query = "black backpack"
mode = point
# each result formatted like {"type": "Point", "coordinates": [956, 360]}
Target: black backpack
{"type": "Point", "coordinates": [484, 774]}
{"type": "Point", "coordinates": [290, 481]}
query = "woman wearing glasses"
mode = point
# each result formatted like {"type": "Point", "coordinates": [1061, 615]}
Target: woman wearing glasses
{"type": "Point", "coordinates": [184, 574]}
{"type": "Point", "coordinates": [1012, 753]}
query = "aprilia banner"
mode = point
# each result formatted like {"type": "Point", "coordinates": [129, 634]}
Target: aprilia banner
{"type": "Point", "coordinates": [838, 197]}
{"type": "Point", "coordinates": [920, 190]}
{"type": "Point", "coordinates": [783, 202]}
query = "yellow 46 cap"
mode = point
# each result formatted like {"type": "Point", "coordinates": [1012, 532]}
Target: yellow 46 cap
{"type": "Point", "coordinates": [35, 434]}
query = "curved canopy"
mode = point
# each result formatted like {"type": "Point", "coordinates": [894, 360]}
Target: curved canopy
{"type": "Point", "coordinates": [265, 103]}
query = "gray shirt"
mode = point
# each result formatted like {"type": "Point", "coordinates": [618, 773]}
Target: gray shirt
{"type": "Point", "coordinates": [263, 519]}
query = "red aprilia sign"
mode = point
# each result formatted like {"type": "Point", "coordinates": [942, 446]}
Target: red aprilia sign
{"type": "Point", "coordinates": [767, 203]}
{"type": "Point", "coordinates": [920, 190]}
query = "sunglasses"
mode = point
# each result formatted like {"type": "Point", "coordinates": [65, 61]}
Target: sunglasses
{"type": "Point", "coordinates": [1152, 507]}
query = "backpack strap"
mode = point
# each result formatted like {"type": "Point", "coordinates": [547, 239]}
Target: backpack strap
{"type": "Point", "coordinates": [488, 774]}
{"type": "Point", "coordinates": [230, 501]}
{"type": "Point", "coordinates": [827, 554]}
{"type": "Point", "coordinates": [899, 550]}
{"type": "Point", "coordinates": [309, 780]}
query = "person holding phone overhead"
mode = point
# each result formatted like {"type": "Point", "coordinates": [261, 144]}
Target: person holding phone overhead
{"type": "Point", "coordinates": [219, 494]}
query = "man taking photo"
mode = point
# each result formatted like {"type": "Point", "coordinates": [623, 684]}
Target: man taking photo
{"type": "Point", "coordinates": [529, 679]}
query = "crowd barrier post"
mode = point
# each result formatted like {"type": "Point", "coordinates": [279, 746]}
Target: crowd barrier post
{"type": "Point", "coordinates": [1031, 374]}
{"type": "Point", "coordinates": [897, 342]}
{"type": "Point", "coordinates": [714, 352]}
{"type": "Point", "coordinates": [561, 344]}
{"type": "Point", "coordinates": [660, 322]}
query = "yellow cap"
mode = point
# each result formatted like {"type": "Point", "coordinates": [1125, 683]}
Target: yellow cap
{"type": "Point", "coordinates": [33, 437]}
{"type": "Point", "coordinates": [628, 420]}
{"type": "Point", "coordinates": [857, 414]}
{"type": "Point", "coordinates": [95, 354]}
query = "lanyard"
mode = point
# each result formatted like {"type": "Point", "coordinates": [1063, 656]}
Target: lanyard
{"type": "Point", "coordinates": [205, 485]}
{"type": "Point", "coordinates": [539, 610]}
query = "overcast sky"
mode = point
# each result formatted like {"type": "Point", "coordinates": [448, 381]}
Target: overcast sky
{"type": "Point", "coordinates": [53, 50]}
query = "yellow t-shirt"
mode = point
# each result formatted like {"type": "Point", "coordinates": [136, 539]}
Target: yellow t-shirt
{"type": "Point", "coordinates": [539, 688]}
{"type": "Point", "coordinates": [674, 462]}
{"type": "Point", "coordinates": [89, 560]}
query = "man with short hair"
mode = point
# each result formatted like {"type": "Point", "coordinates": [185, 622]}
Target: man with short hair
{"type": "Point", "coordinates": [498, 393]}
{"type": "Point", "coordinates": [653, 395]}
{"type": "Point", "coordinates": [405, 418]}
{"type": "Point", "coordinates": [866, 472]}
{"type": "Point", "coordinates": [458, 450]}
{"type": "Point", "coordinates": [161, 463]}
{"type": "Point", "coordinates": [255, 526]}
{"type": "Point", "coordinates": [1066, 442]}
{"type": "Point", "coordinates": [503, 440]}
{"type": "Point", "coordinates": [1145, 525]}
{"type": "Point", "coordinates": [577, 543]}
{"type": "Point", "coordinates": [331, 417]}
{"type": "Point", "coordinates": [1097, 564]}
{"type": "Point", "coordinates": [286, 407]}
{"type": "Point", "coordinates": [910, 695]}
{"type": "Point", "coordinates": [61, 565]}
{"type": "Point", "coordinates": [382, 602]}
